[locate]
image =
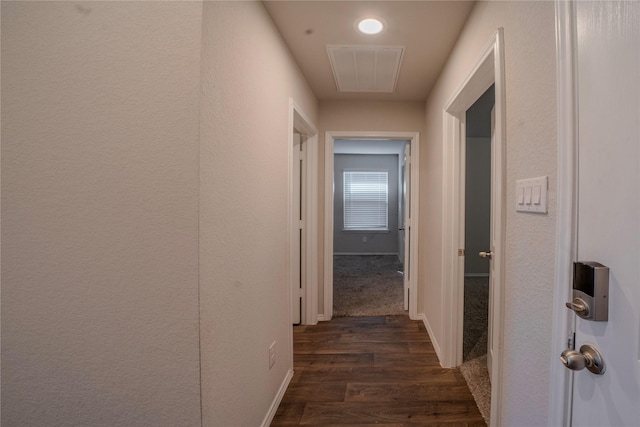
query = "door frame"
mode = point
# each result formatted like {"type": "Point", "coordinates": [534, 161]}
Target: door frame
{"type": "Point", "coordinates": [299, 120]}
{"type": "Point", "coordinates": [563, 322]}
{"type": "Point", "coordinates": [488, 70]}
{"type": "Point", "coordinates": [330, 137]}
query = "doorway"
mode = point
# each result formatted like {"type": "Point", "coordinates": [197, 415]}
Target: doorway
{"type": "Point", "coordinates": [368, 234]}
{"type": "Point", "coordinates": [477, 232]}
{"type": "Point", "coordinates": [488, 71]}
{"type": "Point", "coordinates": [410, 214]}
{"type": "Point", "coordinates": [303, 219]}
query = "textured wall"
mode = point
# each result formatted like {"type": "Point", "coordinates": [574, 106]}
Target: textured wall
{"type": "Point", "coordinates": [100, 213]}
{"type": "Point", "coordinates": [529, 32]}
{"type": "Point", "coordinates": [365, 116]}
{"type": "Point", "coordinates": [248, 76]}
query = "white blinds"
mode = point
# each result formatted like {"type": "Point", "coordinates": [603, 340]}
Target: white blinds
{"type": "Point", "coordinates": [366, 200]}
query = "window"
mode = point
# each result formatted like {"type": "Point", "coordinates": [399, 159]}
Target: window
{"type": "Point", "coordinates": [366, 200]}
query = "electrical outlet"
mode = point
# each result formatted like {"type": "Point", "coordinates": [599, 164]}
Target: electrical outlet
{"type": "Point", "coordinates": [272, 355]}
{"type": "Point", "coordinates": [364, 239]}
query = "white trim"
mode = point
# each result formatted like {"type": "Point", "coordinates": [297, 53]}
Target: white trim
{"type": "Point", "coordinates": [299, 120]}
{"type": "Point", "coordinates": [432, 336]}
{"type": "Point", "coordinates": [266, 422]}
{"type": "Point", "coordinates": [488, 70]}
{"type": "Point", "coordinates": [323, 318]}
{"type": "Point", "coordinates": [330, 137]}
{"type": "Point", "coordinates": [561, 379]}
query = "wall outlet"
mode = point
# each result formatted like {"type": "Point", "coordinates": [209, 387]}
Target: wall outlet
{"type": "Point", "coordinates": [364, 239]}
{"type": "Point", "coordinates": [272, 355]}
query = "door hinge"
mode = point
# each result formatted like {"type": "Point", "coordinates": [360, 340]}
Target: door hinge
{"type": "Point", "coordinates": [460, 252]}
{"type": "Point", "coordinates": [301, 155]}
{"type": "Point", "coordinates": [301, 225]}
{"type": "Point", "coordinates": [301, 294]}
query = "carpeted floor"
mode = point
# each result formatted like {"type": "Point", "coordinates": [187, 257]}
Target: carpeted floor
{"type": "Point", "coordinates": [476, 319]}
{"type": "Point", "coordinates": [367, 285]}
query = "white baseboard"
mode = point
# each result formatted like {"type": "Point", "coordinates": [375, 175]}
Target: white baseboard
{"type": "Point", "coordinates": [323, 318]}
{"type": "Point", "coordinates": [432, 336]}
{"type": "Point", "coordinates": [476, 274]}
{"type": "Point", "coordinates": [276, 401]}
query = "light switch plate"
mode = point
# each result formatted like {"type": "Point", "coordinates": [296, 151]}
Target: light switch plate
{"type": "Point", "coordinates": [531, 194]}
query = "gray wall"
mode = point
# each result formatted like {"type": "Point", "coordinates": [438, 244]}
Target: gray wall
{"type": "Point", "coordinates": [351, 241]}
{"type": "Point", "coordinates": [478, 183]}
{"type": "Point", "coordinates": [477, 205]}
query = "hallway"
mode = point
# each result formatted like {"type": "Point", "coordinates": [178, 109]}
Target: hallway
{"type": "Point", "coordinates": [372, 370]}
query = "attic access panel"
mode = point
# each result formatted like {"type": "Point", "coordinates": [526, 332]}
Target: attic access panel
{"type": "Point", "coordinates": [365, 68]}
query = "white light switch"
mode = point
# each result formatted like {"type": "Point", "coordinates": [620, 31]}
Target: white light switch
{"type": "Point", "coordinates": [536, 195]}
{"type": "Point", "coordinates": [527, 195]}
{"type": "Point", "coordinates": [531, 195]}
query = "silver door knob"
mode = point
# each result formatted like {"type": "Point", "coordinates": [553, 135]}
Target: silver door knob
{"type": "Point", "coordinates": [486, 254]}
{"type": "Point", "coordinates": [588, 357]}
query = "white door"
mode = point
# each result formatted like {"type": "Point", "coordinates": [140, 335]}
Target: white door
{"type": "Point", "coordinates": [608, 62]}
{"type": "Point", "coordinates": [492, 243]}
{"type": "Point", "coordinates": [405, 229]}
{"type": "Point", "coordinates": [298, 231]}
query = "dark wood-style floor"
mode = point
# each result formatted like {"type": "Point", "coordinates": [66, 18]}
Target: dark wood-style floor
{"type": "Point", "coordinates": [372, 370]}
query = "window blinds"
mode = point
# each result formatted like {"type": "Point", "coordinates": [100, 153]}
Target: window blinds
{"type": "Point", "coordinates": [366, 200]}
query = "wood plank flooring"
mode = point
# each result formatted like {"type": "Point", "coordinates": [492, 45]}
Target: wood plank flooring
{"type": "Point", "coordinates": [372, 371]}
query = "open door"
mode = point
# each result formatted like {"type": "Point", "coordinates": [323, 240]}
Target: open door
{"type": "Point", "coordinates": [298, 243]}
{"type": "Point", "coordinates": [492, 239]}
{"type": "Point", "coordinates": [608, 210]}
{"type": "Point", "coordinates": [405, 228]}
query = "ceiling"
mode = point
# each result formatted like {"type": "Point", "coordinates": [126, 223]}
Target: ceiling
{"type": "Point", "coordinates": [427, 29]}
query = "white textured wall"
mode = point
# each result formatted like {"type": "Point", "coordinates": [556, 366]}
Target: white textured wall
{"type": "Point", "coordinates": [382, 116]}
{"type": "Point", "coordinates": [529, 32]}
{"type": "Point", "coordinates": [100, 143]}
{"type": "Point", "coordinates": [247, 78]}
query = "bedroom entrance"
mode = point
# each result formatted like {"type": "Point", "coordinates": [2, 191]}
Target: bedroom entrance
{"type": "Point", "coordinates": [370, 224]}
{"type": "Point", "coordinates": [368, 232]}
{"type": "Point", "coordinates": [476, 158]}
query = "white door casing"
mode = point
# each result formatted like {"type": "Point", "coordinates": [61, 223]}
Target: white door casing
{"type": "Point", "coordinates": [488, 70]}
{"type": "Point", "coordinates": [493, 243]}
{"type": "Point", "coordinates": [406, 223]}
{"type": "Point", "coordinates": [599, 125]}
{"type": "Point", "coordinates": [298, 230]}
{"type": "Point", "coordinates": [300, 124]}
{"type": "Point", "coordinates": [411, 254]}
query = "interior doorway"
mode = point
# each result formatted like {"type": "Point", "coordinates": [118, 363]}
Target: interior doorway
{"type": "Point", "coordinates": [488, 71]}
{"type": "Point", "coordinates": [368, 233]}
{"type": "Point", "coordinates": [477, 216]}
{"type": "Point", "coordinates": [303, 218]}
{"type": "Point", "coordinates": [410, 212]}
{"type": "Point", "coordinates": [476, 157]}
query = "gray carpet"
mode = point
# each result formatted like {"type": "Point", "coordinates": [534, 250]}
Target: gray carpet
{"type": "Point", "coordinates": [476, 319]}
{"type": "Point", "coordinates": [476, 374]}
{"type": "Point", "coordinates": [367, 285]}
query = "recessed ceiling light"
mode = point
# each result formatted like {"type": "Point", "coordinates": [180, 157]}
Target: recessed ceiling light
{"type": "Point", "coordinates": [370, 26]}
